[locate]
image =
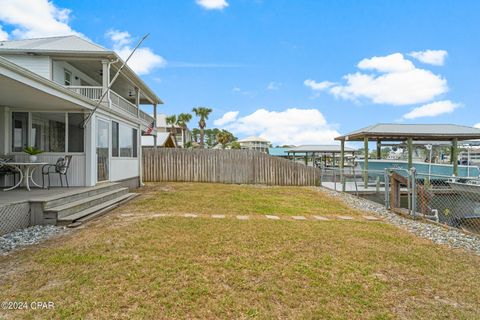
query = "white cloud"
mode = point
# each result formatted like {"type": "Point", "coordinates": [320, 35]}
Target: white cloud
{"type": "Point", "coordinates": [213, 4]}
{"type": "Point", "coordinates": [477, 125]}
{"type": "Point", "coordinates": [273, 85]}
{"type": "Point", "coordinates": [143, 61]}
{"type": "Point", "coordinates": [3, 34]}
{"type": "Point", "coordinates": [432, 109]}
{"type": "Point", "coordinates": [391, 63]}
{"type": "Point", "coordinates": [36, 18]}
{"type": "Point", "coordinates": [433, 57]}
{"type": "Point", "coordinates": [290, 126]}
{"type": "Point", "coordinates": [226, 118]}
{"type": "Point", "coordinates": [397, 82]}
{"type": "Point", "coordinates": [318, 85]}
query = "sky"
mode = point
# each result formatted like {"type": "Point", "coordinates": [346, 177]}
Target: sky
{"type": "Point", "coordinates": [293, 72]}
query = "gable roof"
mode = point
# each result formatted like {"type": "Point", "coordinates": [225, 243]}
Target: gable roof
{"type": "Point", "coordinates": [53, 44]}
{"type": "Point", "coordinates": [396, 132]}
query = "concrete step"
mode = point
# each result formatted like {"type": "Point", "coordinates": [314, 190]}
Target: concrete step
{"type": "Point", "coordinates": [90, 213]}
{"type": "Point", "coordinates": [69, 208]}
{"type": "Point", "coordinates": [75, 195]}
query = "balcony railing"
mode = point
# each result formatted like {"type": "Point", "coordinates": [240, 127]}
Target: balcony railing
{"type": "Point", "coordinates": [122, 103]}
{"type": "Point", "coordinates": [95, 93]}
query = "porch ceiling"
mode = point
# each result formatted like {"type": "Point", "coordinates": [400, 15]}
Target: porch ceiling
{"type": "Point", "coordinates": [19, 95]}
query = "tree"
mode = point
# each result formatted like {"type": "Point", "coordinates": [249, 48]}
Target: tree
{"type": "Point", "coordinates": [235, 145]}
{"type": "Point", "coordinates": [172, 121]}
{"type": "Point", "coordinates": [195, 134]}
{"type": "Point", "coordinates": [202, 113]}
{"type": "Point", "coordinates": [182, 120]}
{"type": "Point", "coordinates": [224, 138]}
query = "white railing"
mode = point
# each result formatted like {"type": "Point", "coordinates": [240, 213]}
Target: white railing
{"type": "Point", "coordinates": [90, 92]}
{"type": "Point", "coordinates": [95, 93]}
{"type": "Point", "coordinates": [122, 103]}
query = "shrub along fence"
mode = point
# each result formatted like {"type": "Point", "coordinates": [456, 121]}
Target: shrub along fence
{"type": "Point", "coordinates": [225, 166]}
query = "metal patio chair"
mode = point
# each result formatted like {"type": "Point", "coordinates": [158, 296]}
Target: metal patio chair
{"type": "Point", "coordinates": [61, 168]}
{"type": "Point", "coordinates": [6, 170]}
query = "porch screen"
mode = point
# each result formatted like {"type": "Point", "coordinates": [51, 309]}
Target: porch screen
{"type": "Point", "coordinates": [19, 131]}
{"type": "Point", "coordinates": [48, 131]}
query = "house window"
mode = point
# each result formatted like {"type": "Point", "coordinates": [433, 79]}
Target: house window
{"type": "Point", "coordinates": [135, 142]}
{"type": "Point", "coordinates": [75, 132]}
{"type": "Point", "coordinates": [124, 141]}
{"type": "Point", "coordinates": [114, 139]}
{"type": "Point", "coordinates": [48, 131]}
{"type": "Point", "coordinates": [68, 77]}
{"type": "Point", "coordinates": [19, 131]}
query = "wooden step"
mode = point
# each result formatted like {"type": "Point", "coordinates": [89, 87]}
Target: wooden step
{"type": "Point", "coordinates": [69, 208]}
{"type": "Point", "coordinates": [74, 195]}
{"type": "Point", "coordinates": [94, 211]}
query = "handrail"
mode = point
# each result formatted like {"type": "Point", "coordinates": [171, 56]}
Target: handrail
{"type": "Point", "coordinates": [91, 92]}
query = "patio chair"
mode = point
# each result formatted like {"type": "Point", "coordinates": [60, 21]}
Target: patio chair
{"type": "Point", "coordinates": [61, 167]}
{"type": "Point", "coordinates": [5, 170]}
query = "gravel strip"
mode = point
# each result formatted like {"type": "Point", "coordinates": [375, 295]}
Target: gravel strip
{"type": "Point", "coordinates": [435, 233]}
{"type": "Point", "coordinates": [26, 237]}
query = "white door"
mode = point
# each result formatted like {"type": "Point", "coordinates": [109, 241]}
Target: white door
{"type": "Point", "coordinates": [103, 150]}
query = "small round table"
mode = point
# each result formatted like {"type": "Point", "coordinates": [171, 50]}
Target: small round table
{"type": "Point", "coordinates": [26, 170]}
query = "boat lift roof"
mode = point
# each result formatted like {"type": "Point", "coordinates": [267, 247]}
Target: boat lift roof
{"type": "Point", "coordinates": [401, 132]}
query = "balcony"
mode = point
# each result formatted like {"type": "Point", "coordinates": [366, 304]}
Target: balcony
{"type": "Point", "coordinates": [117, 101]}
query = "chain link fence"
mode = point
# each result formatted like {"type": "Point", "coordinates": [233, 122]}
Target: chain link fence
{"type": "Point", "coordinates": [451, 201]}
{"type": "Point", "coordinates": [14, 216]}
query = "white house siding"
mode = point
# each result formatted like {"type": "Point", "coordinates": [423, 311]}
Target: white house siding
{"type": "Point", "coordinates": [59, 74]}
{"type": "Point", "coordinates": [124, 169]}
{"type": "Point", "coordinates": [76, 172]}
{"type": "Point", "coordinates": [39, 64]}
{"type": "Point", "coordinates": [3, 135]}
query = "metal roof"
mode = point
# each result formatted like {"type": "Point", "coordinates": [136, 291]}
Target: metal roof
{"type": "Point", "coordinates": [74, 46]}
{"type": "Point", "coordinates": [63, 43]}
{"type": "Point", "coordinates": [319, 148]}
{"type": "Point", "coordinates": [398, 132]}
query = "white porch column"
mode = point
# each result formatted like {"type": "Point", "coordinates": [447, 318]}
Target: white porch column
{"type": "Point", "coordinates": [106, 79]}
{"type": "Point", "coordinates": [137, 100]}
{"type": "Point", "coordinates": [90, 153]}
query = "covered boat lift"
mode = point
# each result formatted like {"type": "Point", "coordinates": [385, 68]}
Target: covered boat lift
{"type": "Point", "coordinates": [321, 152]}
{"type": "Point", "coordinates": [408, 133]}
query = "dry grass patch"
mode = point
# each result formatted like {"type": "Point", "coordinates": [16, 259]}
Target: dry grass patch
{"type": "Point", "coordinates": [174, 267]}
{"type": "Point", "coordinates": [210, 198]}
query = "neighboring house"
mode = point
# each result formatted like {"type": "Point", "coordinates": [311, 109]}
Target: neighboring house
{"type": "Point", "coordinates": [164, 140]}
{"type": "Point", "coordinates": [254, 143]}
{"type": "Point", "coordinates": [47, 88]}
{"type": "Point", "coordinates": [176, 131]}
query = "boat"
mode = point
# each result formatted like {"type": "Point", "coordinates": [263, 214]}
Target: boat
{"type": "Point", "coordinates": [422, 168]}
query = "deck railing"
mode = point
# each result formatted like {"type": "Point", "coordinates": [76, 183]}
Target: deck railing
{"type": "Point", "coordinates": [90, 92]}
{"type": "Point", "coordinates": [118, 101]}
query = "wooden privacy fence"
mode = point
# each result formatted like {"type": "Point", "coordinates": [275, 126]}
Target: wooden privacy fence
{"type": "Point", "coordinates": [225, 166]}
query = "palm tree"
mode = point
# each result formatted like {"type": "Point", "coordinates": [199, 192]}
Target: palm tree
{"type": "Point", "coordinates": [172, 121]}
{"type": "Point", "coordinates": [202, 113]}
{"type": "Point", "coordinates": [182, 120]}
{"type": "Point", "coordinates": [195, 134]}
{"type": "Point", "coordinates": [224, 138]}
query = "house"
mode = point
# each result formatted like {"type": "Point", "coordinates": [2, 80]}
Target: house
{"type": "Point", "coordinates": [254, 143]}
{"type": "Point", "coordinates": [48, 86]}
{"type": "Point", "coordinates": [182, 136]}
{"type": "Point", "coordinates": [164, 140]}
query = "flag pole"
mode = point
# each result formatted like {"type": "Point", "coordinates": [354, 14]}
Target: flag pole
{"type": "Point", "coordinates": [90, 115]}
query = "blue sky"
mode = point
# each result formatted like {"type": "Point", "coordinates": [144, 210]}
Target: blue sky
{"type": "Point", "coordinates": [252, 58]}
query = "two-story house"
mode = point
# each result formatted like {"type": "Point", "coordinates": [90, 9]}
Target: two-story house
{"type": "Point", "coordinates": [48, 86]}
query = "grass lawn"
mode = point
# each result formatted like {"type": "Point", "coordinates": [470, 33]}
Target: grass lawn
{"type": "Point", "coordinates": [132, 263]}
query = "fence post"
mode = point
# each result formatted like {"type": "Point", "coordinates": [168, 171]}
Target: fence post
{"type": "Point", "coordinates": [387, 189]}
{"type": "Point", "coordinates": [414, 191]}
